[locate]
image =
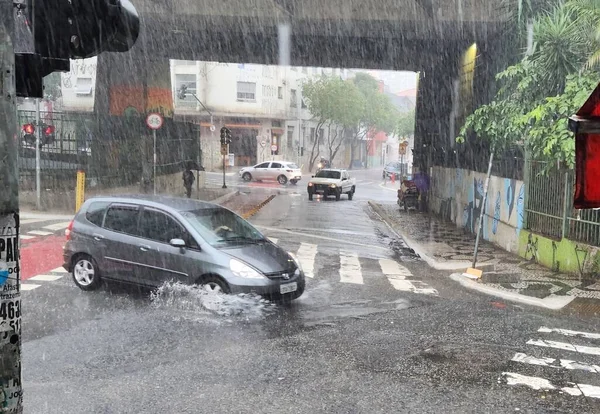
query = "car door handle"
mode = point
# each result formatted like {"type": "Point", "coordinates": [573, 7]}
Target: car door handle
{"type": "Point", "coordinates": [145, 247]}
{"type": "Point", "coordinates": [97, 237]}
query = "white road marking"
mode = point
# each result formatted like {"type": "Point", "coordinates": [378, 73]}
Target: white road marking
{"type": "Point", "coordinates": [59, 270]}
{"type": "Point", "coordinates": [350, 271]}
{"type": "Point", "coordinates": [306, 256]}
{"type": "Point", "coordinates": [45, 278]}
{"type": "Point", "coordinates": [592, 350]}
{"type": "Point", "coordinates": [397, 274]}
{"type": "Point", "coordinates": [58, 226]}
{"type": "Point", "coordinates": [273, 239]}
{"type": "Point", "coordinates": [567, 332]}
{"type": "Point", "coordinates": [551, 362]}
{"type": "Point", "coordinates": [26, 237]}
{"type": "Point", "coordinates": [32, 220]}
{"type": "Point", "coordinates": [40, 233]}
{"type": "Point", "coordinates": [314, 236]}
{"type": "Point", "coordinates": [25, 286]}
{"type": "Point", "coordinates": [538, 383]}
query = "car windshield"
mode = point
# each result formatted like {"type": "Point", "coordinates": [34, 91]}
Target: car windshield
{"type": "Point", "coordinates": [220, 227]}
{"type": "Point", "coordinates": [328, 174]}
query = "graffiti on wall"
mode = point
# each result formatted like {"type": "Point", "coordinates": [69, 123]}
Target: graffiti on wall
{"type": "Point", "coordinates": [496, 214]}
{"type": "Point", "coordinates": [520, 208]}
{"type": "Point", "coordinates": [472, 210]}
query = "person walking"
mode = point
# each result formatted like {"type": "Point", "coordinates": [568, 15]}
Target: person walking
{"type": "Point", "coordinates": [188, 181]}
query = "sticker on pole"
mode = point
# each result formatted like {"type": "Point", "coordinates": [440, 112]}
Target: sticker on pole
{"type": "Point", "coordinates": [8, 251]}
{"type": "Point", "coordinates": [154, 121]}
{"type": "Point", "coordinates": [273, 148]}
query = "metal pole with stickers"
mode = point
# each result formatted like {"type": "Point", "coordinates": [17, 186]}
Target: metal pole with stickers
{"type": "Point", "coordinates": [11, 397]}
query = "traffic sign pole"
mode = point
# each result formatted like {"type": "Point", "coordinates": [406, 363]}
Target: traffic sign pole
{"type": "Point", "coordinates": [154, 121]}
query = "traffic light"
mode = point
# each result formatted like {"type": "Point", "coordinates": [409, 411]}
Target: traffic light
{"type": "Point", "coordinates": [29, 134]}
{"type": "Point", "coordinates": [224, 136]}
{"type": "Point", "coordinates": [70, 29]}
{"type": "Point", "coordinates": [48, 136]}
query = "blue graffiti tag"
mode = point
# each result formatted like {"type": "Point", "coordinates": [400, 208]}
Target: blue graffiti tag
{"type": "Point", "coordinates": [3, 272]}
{"type": "Point", "coordinates": [496, 214]}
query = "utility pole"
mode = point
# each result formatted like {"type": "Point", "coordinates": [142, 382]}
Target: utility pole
{"type": "Point", "coordinates": [11, 395]}
{"type": "Point", "coordinates": [38, 141]}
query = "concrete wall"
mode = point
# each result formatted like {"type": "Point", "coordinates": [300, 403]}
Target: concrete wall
{"type": "Point", "coordinates": [457, 195]}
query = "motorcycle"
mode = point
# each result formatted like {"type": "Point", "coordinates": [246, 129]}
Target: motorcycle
{"type": "Point", "coordinates": [408, 195]}
{"type": "Point", "coordinates": [323, 164]}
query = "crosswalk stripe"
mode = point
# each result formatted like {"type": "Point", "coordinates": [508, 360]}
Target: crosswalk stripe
{"type": "Point", "coordinates": [350, 271]}
{"type": "Point", "coordinates": [26, 237]}
{"type": "Point", "coordinates": [40, 233]}
{"type": "Point", "coordinates": [32, 220]}
{"type": "Point", "coordinates": [397, 274]}
{"type": "Point", "coordinates": [58, 226]}
{"type": "Point", "coordinates": [592, 350]}
{"type": "Point", "coordinates": [59, 270]}
{"type": "Point", "coordinates": [29, 286]}
{"type": "Point", "coordinates": [538, 383]}
{"type": "Point", "coordinates": [306, 256]}
{"type": "Point", "coordinates": [273, 240]}
{"type": "Point", "coordinates": [45, 278]}
{"type": "Point", "coordinates": [551, 362]}
{"type": "Point", "coordinates": [567, 332]}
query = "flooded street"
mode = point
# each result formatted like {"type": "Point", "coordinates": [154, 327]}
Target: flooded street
{"type": "Point", "coordinates": [359, 344]}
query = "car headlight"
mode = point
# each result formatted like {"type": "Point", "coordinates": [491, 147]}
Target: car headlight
{"type": "Point", "coordinates": [295, 259]}
{"type": "Point", "coordinates": [243, 270]}
{"type": "Point", "coordinates": [332, 185]}
{"type": "Point", "coordinates": [310, 184]}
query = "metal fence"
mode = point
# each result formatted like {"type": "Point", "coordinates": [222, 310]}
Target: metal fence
{"type": "Point", "coordinates": [114, 151]}
{"type": "Point", "coordinates": [549, 206]}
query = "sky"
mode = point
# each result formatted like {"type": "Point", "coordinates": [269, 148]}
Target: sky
{"type": "Point", "coordinates": [396, 80]}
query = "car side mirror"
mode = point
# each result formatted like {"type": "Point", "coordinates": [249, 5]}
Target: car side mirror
{"type": "Point", "coordinates": [177, 243]}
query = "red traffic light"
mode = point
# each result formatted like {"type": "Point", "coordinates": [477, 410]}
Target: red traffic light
{"type": "Point", "coordinates": [29, 129]}
{"type": "Point", "coordinates": [49, 130]}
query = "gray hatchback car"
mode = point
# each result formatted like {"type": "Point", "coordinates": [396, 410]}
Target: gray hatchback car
{"type": "Point", "coordinates": [148, 240]}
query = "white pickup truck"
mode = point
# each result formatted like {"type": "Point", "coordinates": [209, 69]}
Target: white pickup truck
{"type": "Point", "coordinates": [331, 182]}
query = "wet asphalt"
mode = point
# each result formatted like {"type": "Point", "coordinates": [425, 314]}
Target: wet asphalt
{"type": "Point", "coordinates": [340, 348]}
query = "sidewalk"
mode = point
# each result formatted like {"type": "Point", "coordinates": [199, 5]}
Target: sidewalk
{"type": "Point", "coordinates": [444, 246]}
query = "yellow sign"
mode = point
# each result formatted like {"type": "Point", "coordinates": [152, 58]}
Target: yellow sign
{"type": "Point", "coordinates": [224, 150]}
{"type": "Point", "coordinates": [80, 190]}
{"type": "Point", "coordinates": [402, 148]}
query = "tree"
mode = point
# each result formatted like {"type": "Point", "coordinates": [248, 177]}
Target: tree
{"type": "Point", "coordinates": [406, 124]}
{"type": "Point", "coordinates": [537, 95]}
{"type": "Point", "coordinates": [377, 114]}
{"type": "Point", "coordinates": [335, 103]}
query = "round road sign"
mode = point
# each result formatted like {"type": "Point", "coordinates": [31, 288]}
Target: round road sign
{"type": "Point", "coordinates": [263, 143]}
{"type": "Point", "coordinates": [273, 148]}
{"type": "Point", "coordinates": [212, 128]}
{"type": "Point", "coordinates": [154, 121]}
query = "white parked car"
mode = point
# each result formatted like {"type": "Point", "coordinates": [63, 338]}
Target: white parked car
{"type": "Point", "coordinates": [280, 171]}
{"type": "Point", "coordinates": [331, 181]}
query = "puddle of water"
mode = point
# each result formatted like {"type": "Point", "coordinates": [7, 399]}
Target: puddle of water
{"type": "Point", "coordinates": [197, 301]}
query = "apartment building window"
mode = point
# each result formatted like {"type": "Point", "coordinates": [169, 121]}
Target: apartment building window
{"type": "Point", "coordinates": [188, 80]}
{"type": "Point", "coordinates": [290, 137]}
{"type": "Point", "coordinates": [280, 92]}
{"type": "Point", "coordinates": [321, 136]}
{"type": "Point", "coordinates": [276, 124]}
{"type": "Point", "coordinates": [304, 106]}
{"type": "Point", "coordinates": [312, 135]}
{"type": "Point", "coordinates": [83, 86]}
{"type": "Point", "coordinates": [293, 98]}
{"type": "Point", "coordinates": [246, 91]}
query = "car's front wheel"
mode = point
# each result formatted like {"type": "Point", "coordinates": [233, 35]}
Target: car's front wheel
{"type": "Point", "coordinates": [86, 274]}
{"type": "Point", "coordinates": [214, 284]}
{"type": "Point", "coordinates": [338, 194]}
{"type": "Point", "coordinates": [294, 182]}
{"type": "Point", "coordinates": [246, 176]}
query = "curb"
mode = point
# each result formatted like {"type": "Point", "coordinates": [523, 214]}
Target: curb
{"type": "Point", "coordinates": [223, 198]}
{"type": "Point", "coordinates": [552, 303]}
{"type": "Point", "coordinates": [256, 209]}
{"type": "Point", "coordinates": [417, 247]}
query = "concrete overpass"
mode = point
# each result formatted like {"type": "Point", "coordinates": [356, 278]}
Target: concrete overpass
{"type": "Point", "coordinates": [428, 36]}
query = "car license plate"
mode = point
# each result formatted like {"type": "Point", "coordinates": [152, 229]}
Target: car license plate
{"type": "Point", "coordinates": [288, 287]}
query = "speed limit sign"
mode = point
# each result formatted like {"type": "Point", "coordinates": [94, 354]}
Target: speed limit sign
{"type": "Point", "coordinates": [154, 121]}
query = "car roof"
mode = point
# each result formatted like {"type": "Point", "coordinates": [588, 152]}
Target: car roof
{"type": "Point", "coordinates": [333, 169]}
{"type": "Point", "coordinates": [159, 201]}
